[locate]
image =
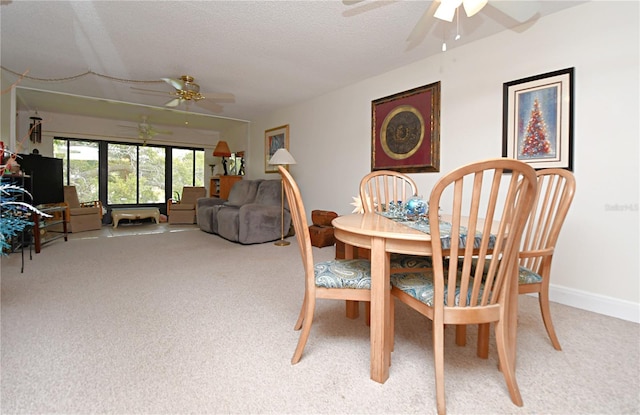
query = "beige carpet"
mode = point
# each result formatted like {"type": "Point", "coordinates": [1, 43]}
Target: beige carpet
{"type": "Point", "coordinates": [186, 322]}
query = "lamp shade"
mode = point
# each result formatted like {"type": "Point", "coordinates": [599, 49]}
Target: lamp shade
{"type": "Point", "coordinates": [222, 150]}
{"type": "Point", "coordinates": [282, 157]}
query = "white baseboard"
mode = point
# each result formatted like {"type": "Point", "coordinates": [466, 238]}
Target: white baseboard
{"type": "Point", "coordinates": [609, 306]}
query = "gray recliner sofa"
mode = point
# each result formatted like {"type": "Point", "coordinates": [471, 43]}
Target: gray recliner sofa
{"type": "Point", "coordinates": [251, 215]}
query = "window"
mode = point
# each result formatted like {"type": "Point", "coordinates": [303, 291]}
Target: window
{"type": "Point", "coordinates": [151, 174]}
{"type": "Point", "coordinates": [80, 166]}
{"type": "Point", "coordinates": [187, 169]}
{"type": "Point", "coordinates": [135, 174]}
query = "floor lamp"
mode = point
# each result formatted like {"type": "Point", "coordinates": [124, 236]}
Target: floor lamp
{"type": "Point", "coordinates": [282, 158]}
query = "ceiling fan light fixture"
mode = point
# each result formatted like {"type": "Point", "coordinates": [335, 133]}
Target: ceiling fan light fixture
{"type": "Point", "coordinates": [444, 13]}
{"type": "Point", "coordinates": [472, 7]}
{"type": "Point", "coordinates": [447, 9]}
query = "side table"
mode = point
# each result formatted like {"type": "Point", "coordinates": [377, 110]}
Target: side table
{"type": "Point", "coordinates": [45, 229]}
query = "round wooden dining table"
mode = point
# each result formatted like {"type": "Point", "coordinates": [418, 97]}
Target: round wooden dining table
{"type": "Point", "coordinates": [384, 236]}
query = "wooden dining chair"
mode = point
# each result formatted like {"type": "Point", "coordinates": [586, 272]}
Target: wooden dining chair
{"type": "Point", "coordinates": [488, 210]}
{"type": "Point", "coordinates": [381, 187]}
{"type": "Point", "coordinates": [554, 194]}
{"type": "Point", "coordinates": [556, 188]}
{"type": "Point", "coordinates": [377, 190]}
{"type": "Point", "coordinates": [337, 279]}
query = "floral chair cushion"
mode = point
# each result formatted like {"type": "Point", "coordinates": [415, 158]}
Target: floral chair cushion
{"type": "Point", "coordinates": [410, 261]}
{"type": "Point", "coordinates": [420, 286]}
{"type": "Point", "coordinates": [526, 276]}
{"type": "Point", "coordinates": [343, 273]}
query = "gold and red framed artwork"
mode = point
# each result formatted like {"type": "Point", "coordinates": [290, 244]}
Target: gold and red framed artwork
{"type": "Point", "coordinates": [406, 131]}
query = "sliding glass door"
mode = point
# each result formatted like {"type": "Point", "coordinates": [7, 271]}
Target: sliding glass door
{"type": "Point", "coordinates": [128, 174]}
{"type": "Point", "coordinates": [80, 166]}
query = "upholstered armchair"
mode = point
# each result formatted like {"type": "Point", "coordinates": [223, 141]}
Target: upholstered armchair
{"type": "Point", "coordinates": [183, 211]}
{"type": "Point", "coordinates": [83, 216]}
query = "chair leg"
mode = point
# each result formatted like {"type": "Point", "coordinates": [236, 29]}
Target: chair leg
{"type": "Point", "coordinates": [483, 340]}
{"type": "Point", "coordinates": [438, 356]}
{"type": "Point", "coordinates": [508, 371]}
{"type": "Point", "coordinates": [543, 299]}
{"type": "Point", "coordinates": [301, 315]}
{"type": "Point", "coordinates": [306, 329]}
{"type": "Point", "coordinates": [461, 335]}
{"type": "Point", "coordinates": [392, 325]}
{"type": "Point", "coordinates": [367, 313]}
{"type": "Point", "coordinates": [352, 309]}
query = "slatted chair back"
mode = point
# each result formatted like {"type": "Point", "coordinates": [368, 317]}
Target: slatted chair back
{"type": "Point", "coordinates": [377, 190]}
{"type": "Point", "coordinates": [381, 187]}
{"type": "Point", "coordinates": [474, 256]}
{"type": "Point", "coordinates": [555, 191]}
{"type": "Point", "coordinates": [556, 188]}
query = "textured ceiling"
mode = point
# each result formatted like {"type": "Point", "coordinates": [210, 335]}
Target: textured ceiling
{"type": "Point", "coordinates": [269, 54]}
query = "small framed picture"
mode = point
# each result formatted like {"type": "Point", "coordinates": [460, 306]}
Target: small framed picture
{"type": "Point", "coordinates": [537, 124]}
{"type": "Point", "coordinates": [275, 139]}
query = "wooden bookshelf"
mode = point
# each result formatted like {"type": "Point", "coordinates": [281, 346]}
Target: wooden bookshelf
{"type": "Point", "coordinates": [220, 186]}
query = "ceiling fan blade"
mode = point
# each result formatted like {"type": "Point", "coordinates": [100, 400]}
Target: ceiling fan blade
{"type": "Point", "coordinates": [150, 91]}
{"type": "Point", "coordinates": [176, 83]}
{"type": "Point", "coordinates": [173, 103]}
{"type": "Point", "coordinates": [423, 27]}
{"type": "Point", "coordinates": [220, 96]}
{"type": "Point", "coordinates": [162, 132]}
{"type": "Point", "coordinates": [209, 105]}
{"type": "Point", "coordinates": [520, 11]}
{"type": "Point", "coordinates": [354, 11]}
{"type": "Point", "coordinates": [127, 126]}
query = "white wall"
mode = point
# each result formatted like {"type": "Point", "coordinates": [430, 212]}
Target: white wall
{"type": "Point", "coordinates": [596, 263]}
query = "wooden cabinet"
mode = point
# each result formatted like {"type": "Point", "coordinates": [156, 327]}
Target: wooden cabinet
{"type": "Point", "coordinates": [220, 186]}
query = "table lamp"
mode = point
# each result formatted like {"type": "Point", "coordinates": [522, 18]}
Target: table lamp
{"type": "Point", "coordinates": [222, 150]}
{"type": "Point", "coordinates": [282, 158]}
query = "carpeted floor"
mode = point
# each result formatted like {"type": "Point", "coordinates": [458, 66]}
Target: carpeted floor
{"type": "Point", "coordinates": [186, 322]}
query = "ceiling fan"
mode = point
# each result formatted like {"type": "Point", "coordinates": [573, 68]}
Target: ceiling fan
{"type": "Point", "coordinates": [507, 13]}
{"type": "Point", "coordinates": [146, 131]}
{"type": "Point", "coordinates": [186, 90]}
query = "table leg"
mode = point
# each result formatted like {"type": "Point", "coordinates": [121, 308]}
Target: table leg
{"type": "Point", "coordinates": [380, 311]}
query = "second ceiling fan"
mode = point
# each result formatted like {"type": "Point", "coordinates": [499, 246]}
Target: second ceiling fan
{"type": "Point", "coordinates": [146, 131]}
{"type": "Point", "coordinates": [186, 90]}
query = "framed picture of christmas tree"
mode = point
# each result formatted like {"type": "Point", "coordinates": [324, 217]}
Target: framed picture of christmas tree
{"type": "Point", "coordinates": [537, 124]}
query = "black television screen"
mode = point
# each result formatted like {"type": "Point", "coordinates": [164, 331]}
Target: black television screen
{"type": "Point", "coordinates": [46, 177]}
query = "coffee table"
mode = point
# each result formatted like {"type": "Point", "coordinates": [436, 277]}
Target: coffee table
{"type": "Point", "coordinates": [134, 213]}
